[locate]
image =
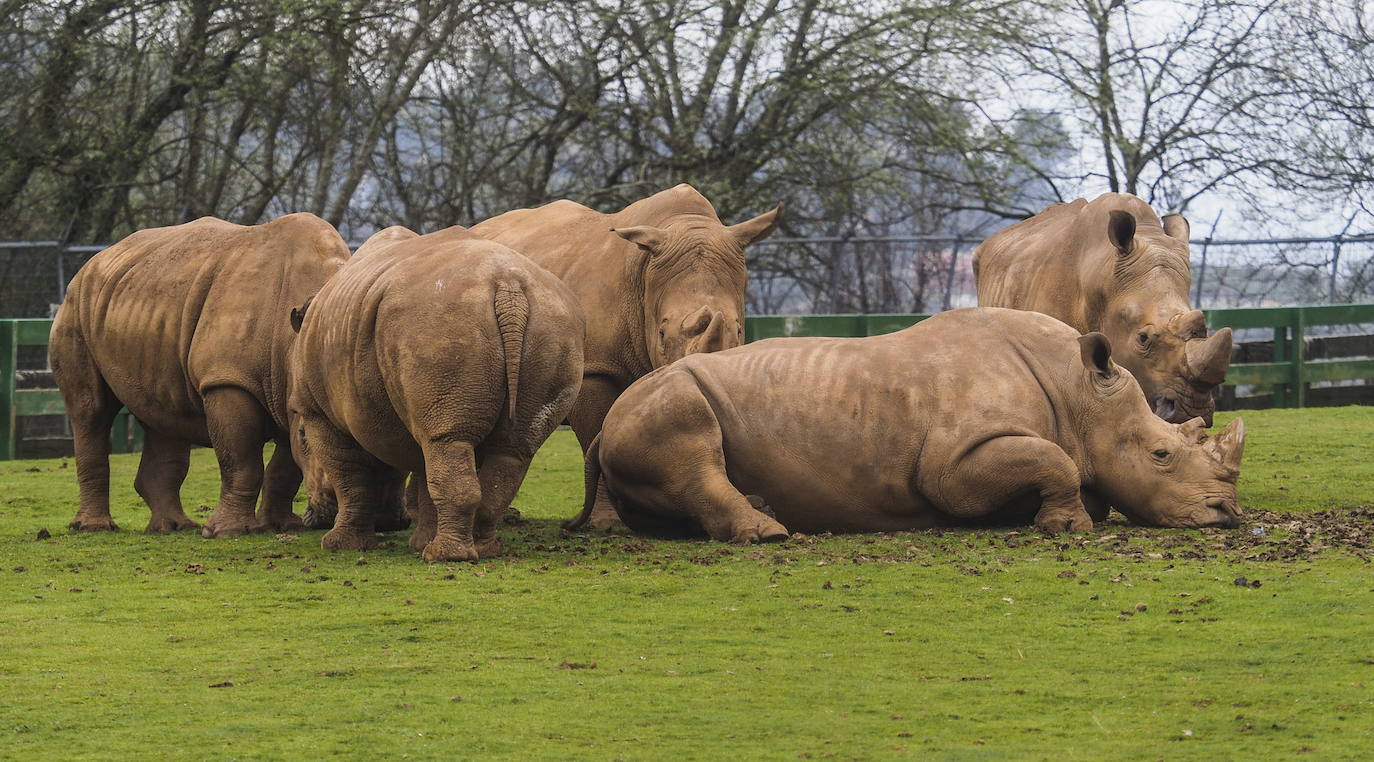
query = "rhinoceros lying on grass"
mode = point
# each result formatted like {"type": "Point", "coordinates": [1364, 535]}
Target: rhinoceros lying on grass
{"type": "Point", "coordinates": [987, 414]}
{"type": "Point", "coordinates": [187, 326]}
{"type": "Point", "coordinates": [1113, 266]}
{"type": "Point", "coordinates": [448, 356]}
{"type": "Point", "coordinates": [658, 280]}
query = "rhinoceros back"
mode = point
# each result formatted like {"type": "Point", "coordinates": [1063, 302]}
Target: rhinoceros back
{"type": "Point", "coordinates": [816, 423]}
{"type": "Point", "coordinates": [169, 313]}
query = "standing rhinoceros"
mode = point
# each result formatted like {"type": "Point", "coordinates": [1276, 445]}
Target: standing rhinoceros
{"type": "Point", "coordinates": [973, 414]}
{"type": "Point", "coordinates": [187, 326]}
{"type": "Point", "coordinates": [1113, 266]}
{"type": "Point", "coordinates": [658, 280]}
{"type": "Point", "coordinates": [447, 356]}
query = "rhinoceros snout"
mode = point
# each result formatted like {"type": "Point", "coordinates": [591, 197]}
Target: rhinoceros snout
{"type": "Point", "coordinates": [1227, 514]}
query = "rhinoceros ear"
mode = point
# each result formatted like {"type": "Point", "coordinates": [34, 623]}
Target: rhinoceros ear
{"type": "Point", "coordinates": [1096, 351]}
{"type": "Point", "coordinates": [1176, 226]}
{"type": "Point", "coordinates": [298, 315]}
{"type": "Point", "coordinates": [757, 229]}
{"type": "Point", "coordinates": [1121, 231]}
{"type": "Point", "coordinates": [646, 237]}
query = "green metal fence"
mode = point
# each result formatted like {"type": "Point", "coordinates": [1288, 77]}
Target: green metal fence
{"type": "Point", "coordinates": [17, 403]}
{"type": "Point", "coordinates": [1287, 376]}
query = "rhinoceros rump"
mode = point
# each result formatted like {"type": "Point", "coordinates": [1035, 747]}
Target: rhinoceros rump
{"type": "Point", "coordinates": [447, 356]}
{"type": "Point", "coordinates": [658, 280]}
{"type": "Point", "coordinates": [187, 327]}
{"type": "Point", "coordinates": [977, 414]}
{"type": "Point", "coordinates": [1113, 266]}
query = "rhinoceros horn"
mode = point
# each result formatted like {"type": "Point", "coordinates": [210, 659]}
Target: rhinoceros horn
{"type": "Point", "coordinates": [1208, 358]}
{"type": "Point", "coordinates": [1228, 445]}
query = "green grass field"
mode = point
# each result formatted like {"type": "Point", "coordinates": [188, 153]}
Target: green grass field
{"type": "Point", "coordinates": [996, 644]}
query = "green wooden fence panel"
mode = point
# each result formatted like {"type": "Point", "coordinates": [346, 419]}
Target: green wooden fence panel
{"type": "Point", "coordinates": [9, 360]}
{"type": "Point", "coordinates": [1287, 376]}
{"type": "Point", "coordinates": [14, 403]}
{"type": "Point", "coordinates": [38, 402]}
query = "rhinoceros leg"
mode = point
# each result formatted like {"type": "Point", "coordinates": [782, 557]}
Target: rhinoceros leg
{"type": "Point", "coordinates": [501, 474]}
{"type": "Point", "coordinates": [456, 492]}
{"type": "Point", "coordinates": [394, 514]}
{"type": "Point", "coordinates": [161, 471]}
{"type": "Point", "coordinates": [361, 485]}
{"type": "Point", "coordinates": [237, 426]}
{"type": "Point", "coordinates": [594, 400]}
{"type": "Point", "coordinates": [92, 407]}
{"type": "Point", "coordinates": [426, 521]}
{"type": "Point", "coordinates": [674, 464]}
{"type": "Point", "coordinates": [280, 482]}
{"type": "Point", "coordinates": [1004, 468]}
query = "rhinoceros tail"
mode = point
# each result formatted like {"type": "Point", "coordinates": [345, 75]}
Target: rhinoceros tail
{"type": "Point", "coordinates": [512, 314]}
{"type": "Point", "coordinates": [591, 477]}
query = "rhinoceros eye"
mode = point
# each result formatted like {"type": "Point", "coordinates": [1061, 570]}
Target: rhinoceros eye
{"type": "Point", "coordinates": [1161, 454]}
{"type": "Point", "coordinates": [1143, 337]}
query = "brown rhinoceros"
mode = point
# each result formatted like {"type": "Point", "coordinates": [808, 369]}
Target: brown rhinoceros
{"type": "Point", "coordinates": [1113, 266]}
{"type": "Point", "coordinates": [448, 356]}
{"type": "Point", "coordinates": [187, 326]}
{"type": "Point", "coordinates": [975, 414]}
{"type": "Point", "coordinates": [323, 506]}
{"type": "Point", "coordinates": [658, 280]}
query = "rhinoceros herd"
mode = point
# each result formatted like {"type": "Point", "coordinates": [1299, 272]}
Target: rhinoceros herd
{"type": "Point", "coordinates": [449, 358]}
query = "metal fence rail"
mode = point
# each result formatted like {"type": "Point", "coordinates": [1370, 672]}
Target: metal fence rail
{"type": "Point", "coordinates": [17, 403]}
{"type": "Point", "coordinates": [875, 273]}
{"type": "Point", "coordinates": [1287, 376]}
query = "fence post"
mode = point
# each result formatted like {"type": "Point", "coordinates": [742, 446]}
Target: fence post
{"type": "Point", "coordinates": [9, 360]}
{"type": "Point", "coordinates": [1299, 353]}
{"type": "Point", "coordinates": [1202, 269]}
{"type": "Point", "coordinates": [1335, 268]}
{"type": "Point", "coordinates": [1280, 391]}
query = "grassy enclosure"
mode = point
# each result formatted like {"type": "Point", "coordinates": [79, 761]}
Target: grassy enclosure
{"type": "Point", "coordinates": [986, 644]}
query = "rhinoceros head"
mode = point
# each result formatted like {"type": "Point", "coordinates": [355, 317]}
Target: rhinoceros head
{"type": "Point", "coordinates": [1158, 337]}
{"type": "Point", "coordinates": [694, 281]}
{"type": "Point", "coordinates": [1154, 472]}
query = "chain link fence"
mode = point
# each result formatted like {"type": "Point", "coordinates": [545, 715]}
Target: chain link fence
{"type": "Point", "coordinates": [867, 275]}
{"type": "Point", "coordinates": [919, 274]}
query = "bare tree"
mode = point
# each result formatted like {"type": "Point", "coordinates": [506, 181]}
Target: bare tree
{"type": "Point", "coordinates": [1155, 94]}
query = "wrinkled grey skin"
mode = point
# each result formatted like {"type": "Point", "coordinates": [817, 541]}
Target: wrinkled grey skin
{"type": "Point", "coordinates": [973, 415]}
{"type": "Point", "coordinates": [1112, 265]}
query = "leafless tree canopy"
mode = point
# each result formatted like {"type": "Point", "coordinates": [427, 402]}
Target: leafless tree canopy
{"type": "Point", "coordinates": [865, 119]}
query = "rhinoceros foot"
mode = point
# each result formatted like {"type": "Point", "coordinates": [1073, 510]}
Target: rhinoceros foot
{"type": "Point", "coordinates": [489, 547]}
{"type": "Point", "coordinates": [92, 524]}
{"type": "Point", "coordinates": [760, 529]}
{"type": "Point", "coordinates": [344, 538]}
{"type": "Point", "coordinates": [287, 522]}
{"type": "Point", "coordinates": [445, 548]}
{"type": "Point", "coordinates": [173, 523]}
{"type": "Point", "coordinates": [317, 517]}
{"type": "Point", "coordinates": [221, 525]}
{"type": "Point", "coordinates": [1064, 520]}
{"type": "Point", "coordinates": [421, 537]}
{"type": "Point", "coordinates": [603, 514]}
